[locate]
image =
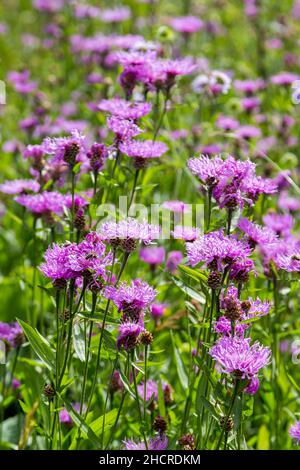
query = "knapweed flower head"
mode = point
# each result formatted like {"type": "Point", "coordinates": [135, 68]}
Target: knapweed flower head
{"type": "Point", "coordinates": [294, 431]}
{"type": "Point", "coordinates": [87, 260]}
{"type": "Point", "coordinates": [156, 443]}
{"type": "Point", "coordinates": [227, 123]}
{"type": "Point", "coordinates": [151, 390]}
{"type": "Point", "coordinates": [11, 334]}
{"type": "Point", "coordinates": [174, 258]}
{"type": "Point", "coordinates": [97, 155]}
{"type": "Point", "coordinates": [187, 24]}
{"type": "Point", "coordinates": [188, 234]}
{"type": "Point", "coordinates": [249, 86]}
{"type": "Point", "coordinates": [133, 298]}
{"type": "Point", "coordinates": [216, 250]}
{"type": "Point", "coordinates": [152, 255]}
{"type": "Point", "coordinates": [64, 415]}
{"type": "Point", "coordinates": [124, 129]}
{"type": "Point", "coordinates": [223, 326]}
{"type": "Point", "coordinates": [255, 233]}
{"type": "Point", "coordinates": [143, 150]}
{"type": "Point", "coordinates": [282, 252]}
{"type": "Point", "coordinates": [281, 224]}
{"type": "Point", "coordinates": [248, 132]}
{"type": "Point", "coordinates": [288, 203]}
{"type": "Point", "coordinates": [42, 203]}
{"type": "Point", "coordinates": [284, 78]}
{"type": "Point", "coordinates": [157, 310]}
{"type": "Point", "coordinates": [19, 186]}
{"type": "Point", "coordinates": [236, 356]}
{"type": "Point", "coordinates": [127, 233]}
{"type": "Point", "coordinates": [128, 335]}
{"type": "Point", "coordinates": [175, 206]}
{"type": "Point", "coordinates": [65, 149]}
{"type": "Point", "coordinates": [124, 109]}
{"type": "Point", "coordinates": [208, 170]}
{"type": "Point", "coordinates": [252, 386]}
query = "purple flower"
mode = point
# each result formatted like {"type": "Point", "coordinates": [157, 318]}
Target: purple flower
{"type": "Point", "coordinates": [256, 234]}
{"type": "Point", "coordinates": [115, 15]}
{"type": "Point", "coordinates": [223, 326]}
{"type": "Point", "coordinates": [21, 82]}
{"type": "Point", "coordinates": [175, 206]}
{"type": "Point", "coordinates": [237, 356]}
{"type": "Point", "coordinates": [151, 390]}
{"type": "Point", "coordinates": [288, 203]}
{"type": "Point", "coordinates": [157, 443]}
{"type": "Point", "coordinates": [56, 259]}
{"type": "Point", "coordinates": [187, 24]}
{"type": "Point", "coordinates": [249, 87]}
{"type": "Point", "coordinates": [294, 431]}
{"type": "Point", "coordinates": [240, 269]}
{"type": "Point", "coordinates": [65, 149]}
{"type": "Point", "coordinates": [253, 386]}
{"type": "Point", "coordinates": [19, 186]}
{"type": "Point", "coordinates": [52, 7]}
{"type": "Point", "coordinates": [124, 109]}
{"type": "Point", "coordinates": [174, 258]}
{"type": "Point", "coordinates": [142, 150]}
{"type": "Point", "coordinates": [16, 384]}
{"type": "Point", "coordinates": [279, 223]}
{"type": "Point", "coordinates": [284, 78]}
{"type": "Point", "coordinates": [64, 416]}
{"type": "Point", "coordinates": [42, 203]}
{"type": "Point", "coordinates": [97, 155]}
{"type": "Point", "coordinates": [128, 335]}
{"type": "Point", "coordinates": [11, 333]}
{"type": "Point", "coordinates": [152, 255]}
{"type": "Point", "coordinates": [132, 298]}
{"type": "Point", "coordinates": [227, 123]}
{"type": "Point", "coordinates": [87, 259]}
{"type": "Point", "coordinates": [127, 233]}
{"type": "Point", "coordinates": [124, 129]}
{"type": "Point", "coordinates": [188, 234]}
{"type": "Point", "coordinates": [250, 103]}
{"type": "Point", "coordinates": [157, 310]}
{"type": "Point", "coordinates": [248, 132]}
{"type": "Point", "coordinates": [216, 248]}
{"type": "Point", "coordinates": [208, 170]}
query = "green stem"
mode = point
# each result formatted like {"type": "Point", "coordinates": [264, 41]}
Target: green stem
{"type": "Point", "coordinates": [137, 172]}
{"type": "Point", "coordinates": [233, 398]}
{"type": "Point", "coordinates": [137, 399]}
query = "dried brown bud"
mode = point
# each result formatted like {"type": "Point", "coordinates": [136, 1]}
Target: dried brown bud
{"type": "Point", "coordinates": [226, 424]}
{"type": "Point", "coordinates": [214, 280]}
{"type": "Point", "coordinates": [146, 338]}
{"type": "Point", "coordinates": [160, 424]}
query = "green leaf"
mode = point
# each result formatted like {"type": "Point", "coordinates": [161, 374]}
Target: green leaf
{"type": "Point", "coordinates": [109, 341]}
{"type": "Point", "coordinates": [11, 429]}
{"type": "Point", "coordinates": [179, 365]}
{"type": "Point", "coordinates": [109, 421]}
{"type": "Point", "coordinates": [80, 423]}
{"type": "Point", "coordinates": [189, 291]}
{"type": "Point", "coordinates": [192, 273]}
{"type": "Point", "coordinates": [40, 345]}
{"type": "Point", "coordinates": [209, 406]}
{"type": "Point", "coordinates": [161, 400]}
{"type": "Point", "coordinates": [263, 438]}
{"type": "Point", "coordinates": [79, 338]}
